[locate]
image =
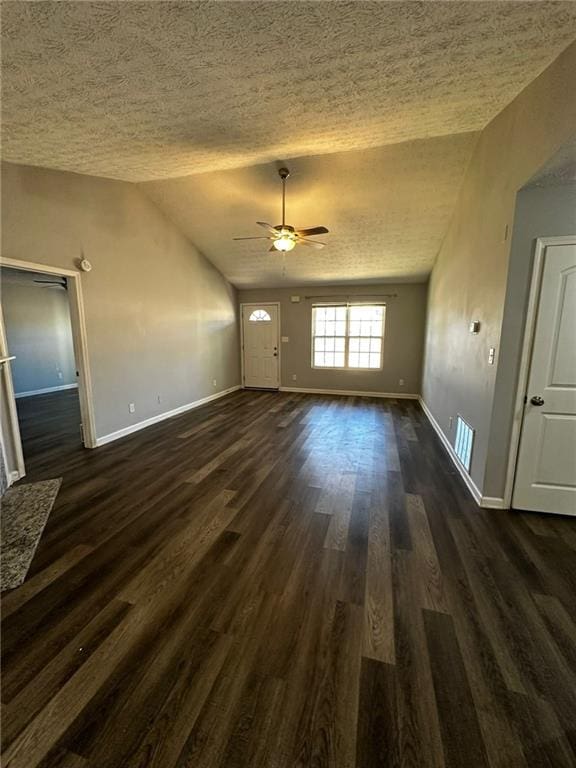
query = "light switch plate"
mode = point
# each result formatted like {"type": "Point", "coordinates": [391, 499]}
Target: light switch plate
{"type": "Point", "coordinates": [285, 339]}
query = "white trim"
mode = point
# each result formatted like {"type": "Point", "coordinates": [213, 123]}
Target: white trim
{"type": "Point", "coordinates": [79, 338]}
{"type": "Point", "coordinates": [13, 427]}
{"type": "Point", "coordinates": [470, 484]}
{"type": "Point", "coordinates": [163, 416]}
{"type": "Point", "coordinates": [350, 393]}
{"type": "Point", "coordinates": [529, 328]}
{"type": "Point", "coordinates": [30, 266]}
{"type": "Point", "coordinates": [278, 336]}
{"type": "Point", "coordinates": [493, 502]}
{"type": "Point", "coordinates": [45, 391]}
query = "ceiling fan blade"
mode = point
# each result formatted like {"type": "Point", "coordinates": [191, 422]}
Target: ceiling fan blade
{"type": "Point", "coordinates": [311, 243]}
{"type": "Point", "coordinates": [312, 231]}
{"type": "Point", "coordinates": [252, 238]}
{"type": "Point", "coordinates": [269, 227]}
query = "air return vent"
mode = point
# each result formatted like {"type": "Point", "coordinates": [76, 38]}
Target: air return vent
{"type": "Point", "coordinates": [464, 442]}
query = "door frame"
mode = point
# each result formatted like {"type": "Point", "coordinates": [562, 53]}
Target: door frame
{"type": "Point", "coordinates": [542, 243]}
{"type": "Point", "coordinates": [80, 343]}
{"type": "Point", "coordinates": [278, 331]}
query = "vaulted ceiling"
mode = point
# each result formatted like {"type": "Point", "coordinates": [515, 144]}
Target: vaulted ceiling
{"type": "Point", "coordinates": [374, 103]}
{"type": "Point", "coordinates": [386, 208]}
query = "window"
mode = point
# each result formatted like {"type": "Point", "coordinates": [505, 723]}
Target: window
{"type": "Point", "coordinates": [259, 316]}
{"type": "Point", "coordinates": [347, 336]}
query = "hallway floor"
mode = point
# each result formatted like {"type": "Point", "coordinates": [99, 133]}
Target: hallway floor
{"type": "Point", "coordinates": [279, 580]}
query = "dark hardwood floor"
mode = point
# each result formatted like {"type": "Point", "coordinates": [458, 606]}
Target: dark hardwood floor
{"type": "Point", "coordinates": [279, 580]}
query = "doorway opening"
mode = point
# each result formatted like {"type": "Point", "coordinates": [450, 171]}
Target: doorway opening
{"type": "Point", "coordinates": [47, 410]}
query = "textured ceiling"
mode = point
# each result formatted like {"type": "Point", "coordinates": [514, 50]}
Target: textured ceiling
{"type": "Point", "coordinates": [387, 210]}
{"type": "Point", "coordinates": [151, 90]}
{"type": "Point", "coordinates": [560, 169]}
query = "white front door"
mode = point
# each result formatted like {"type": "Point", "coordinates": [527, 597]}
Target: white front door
{"type": "Point", "coordinates": [260, 345]}
{"type": "Point", "coordinates": [546, 467]}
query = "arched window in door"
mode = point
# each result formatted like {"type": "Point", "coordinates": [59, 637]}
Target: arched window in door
{"type": "Point", "coordinates": [259, 316]}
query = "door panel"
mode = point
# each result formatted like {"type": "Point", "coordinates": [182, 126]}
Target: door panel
{"type": "Point", "coordinates": [260, 346]}
{"type": "Point", "coordinates": [546, 467]}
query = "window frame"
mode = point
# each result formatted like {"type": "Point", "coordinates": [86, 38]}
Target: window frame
{"type": "Point", "coordinates": [348, 306]}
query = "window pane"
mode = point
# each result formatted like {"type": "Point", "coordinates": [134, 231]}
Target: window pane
{"type": "Point", "coordinates": [364, 324]}
{"type": "Point", "coordinates": [353, 360]}
{"type": "Point", "coordinates": [339, 359]}
{"type": "Point", "coordinates": [259, 316]}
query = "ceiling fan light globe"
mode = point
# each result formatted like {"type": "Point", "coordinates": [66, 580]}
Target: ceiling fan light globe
{"type": "Point", "coordinates": [284, 243]}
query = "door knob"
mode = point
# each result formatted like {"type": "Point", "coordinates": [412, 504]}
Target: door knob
{"type": "Point", "coordinates": [537, 400]}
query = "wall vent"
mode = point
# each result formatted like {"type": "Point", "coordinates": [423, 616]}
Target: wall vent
{"type": "Point", "coordinates": [464, 441]}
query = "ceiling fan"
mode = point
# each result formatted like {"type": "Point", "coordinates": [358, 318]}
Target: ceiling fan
{"type": "Point", "coordinates": [283, 236]}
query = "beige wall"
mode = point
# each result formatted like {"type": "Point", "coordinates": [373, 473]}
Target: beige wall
{"type": "Point", "coordinates": [161, 320]}
{"type": "Point", "coordinates": [38, 331]}
{"type": "Point", "coordinates": [469, 278]}
{"type": "Point", "coordinates": [403, 340]}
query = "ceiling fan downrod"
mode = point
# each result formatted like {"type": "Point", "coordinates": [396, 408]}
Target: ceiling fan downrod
{"type": "Point", "coordinates": [283, 173]}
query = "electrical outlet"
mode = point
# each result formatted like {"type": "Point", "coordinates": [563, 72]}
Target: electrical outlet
{"type": "Point", "coordinates": [450, 420]}
{"type": "Point", "coordinates": [401, 382]}
{"type": "Point", "coordinates": [60, 376]}
{"type": "Point", "coordinates": [491, 355]}
{"type": "Point", "coordinates": [294, 377]}
{"type": "Point", "coordinates": [213, 382]}
{"type": "Point", "coordinates": [131, 407]}
{"type": "Point", "coordinates": [159, 399]}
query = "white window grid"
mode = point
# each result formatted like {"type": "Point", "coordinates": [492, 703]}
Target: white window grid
{"type": "Point", "coordinates": [350, 340]}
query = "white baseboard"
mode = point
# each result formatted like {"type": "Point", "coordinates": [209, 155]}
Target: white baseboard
{"type": "Point", "coordinates": [45, 391]}
{"type": "Point", "coordinates": [13, 477]}
{"type": "Point", "coordinates": [350, 393]}
{"type": "Point", "coordinates": [494, 502]}
{"type": "Point", "coordinates": [162, 417]}
{"type": "Point", "coordinates": [470, 484]}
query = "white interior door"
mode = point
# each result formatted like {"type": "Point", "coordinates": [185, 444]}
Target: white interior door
{"type": "Point", "coordinates": [546, 467]}
{"type": "Point", "coordinates": [260, 345]}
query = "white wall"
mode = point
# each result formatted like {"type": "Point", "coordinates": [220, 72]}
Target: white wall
{"type": "Point", "coordinates": [38, 331]}
{"type": "Point", "coordinates": [161, 320]}
{"type": "Point", "coordinates": [468, 281]}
